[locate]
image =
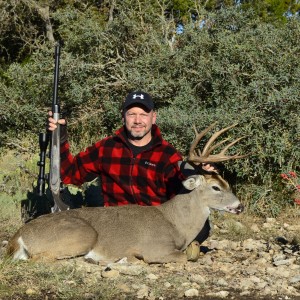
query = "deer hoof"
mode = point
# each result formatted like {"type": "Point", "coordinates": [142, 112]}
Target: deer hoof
{"type": "Point", "coordinates": [193, 251]}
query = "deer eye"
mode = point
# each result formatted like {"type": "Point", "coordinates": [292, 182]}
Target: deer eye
{"type": "Point", "coordinates": [216, 188]}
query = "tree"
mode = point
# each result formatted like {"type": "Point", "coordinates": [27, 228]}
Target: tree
{"type": "Point", "coordinates": [273, 10]}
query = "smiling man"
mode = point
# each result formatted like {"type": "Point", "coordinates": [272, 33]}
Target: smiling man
{"type": "Point", "coordinates": [135, 165]}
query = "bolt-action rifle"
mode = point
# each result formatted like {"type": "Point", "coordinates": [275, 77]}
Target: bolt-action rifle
{"type": "Point", "coordinates": [53, 178]}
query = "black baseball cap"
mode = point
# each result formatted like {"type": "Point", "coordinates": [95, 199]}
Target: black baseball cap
{"type": "Point", "coordinates": [138, 97]}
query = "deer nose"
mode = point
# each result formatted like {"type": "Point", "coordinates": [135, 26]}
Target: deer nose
{"type": "Point", "coordinates": [240, 208]}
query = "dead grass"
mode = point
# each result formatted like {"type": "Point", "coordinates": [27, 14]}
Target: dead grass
{"type": "Point", "coordinates": [10, 216]}
{"type": "Point", "coordinates": [248, 226]}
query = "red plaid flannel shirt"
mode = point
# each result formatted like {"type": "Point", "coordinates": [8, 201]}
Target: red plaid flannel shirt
{"type": "Point", "coordinates": [150, 178]}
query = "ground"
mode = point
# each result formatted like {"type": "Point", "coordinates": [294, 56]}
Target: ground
{"type": "Point", "coordinates": [244, 258]}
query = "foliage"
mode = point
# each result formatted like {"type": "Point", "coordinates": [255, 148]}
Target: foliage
{"type": "Point", "coordinates": [291, 180]}
{"type": "Point", "coordinates": [273, 10]}
{"type": "Point", "coordinates": [232, 68]}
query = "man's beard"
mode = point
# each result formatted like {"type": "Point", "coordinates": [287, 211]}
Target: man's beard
{"type": "Point", "coordinates": [136, 135]}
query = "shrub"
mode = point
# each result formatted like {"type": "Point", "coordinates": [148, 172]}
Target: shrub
{"type": "Point", "coordinates": [232, 69]}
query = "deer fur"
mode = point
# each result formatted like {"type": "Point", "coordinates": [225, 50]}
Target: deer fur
{"type": "Point", "coordinates": [155, 234]}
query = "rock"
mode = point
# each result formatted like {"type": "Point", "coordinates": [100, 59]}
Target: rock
{"type": "Point", "coordinates": [285, 262]}
{"type": "Point", "coordinates": [279, 256]}
{"type": "Point", "coordinates": [295, 279]}
{"type": "Point", "coordinates": [250, 270]}
{"type": "Point", "coordinates": [143, 292]}
{"type": "Point", "coordinates": [261, 285]}
{"type": "Point", "coordinates": [246, 284]}
{"type": "Point", "coordinates": [268, 225]}
{"type": "Point", "coordinates": [128, 269]}
{"type": "Point", "coordinates": [4, 243]}
{"type": "Point", "coordinates": [255, 228]}
{"type": "Point", "coordinates": [124, 288]}
{"type": "Point", "coordinates": [269, 291]}
{"type": "Point", "coordinates": [222, 282]}
{"type": "Point", "coordinates": [294, 228]}
{"type": "Point", "coordinates": [254, 245]}
{"type": "Point", "coordinates": [197, 278]}
{"type": "Point", "coordinates": [245, 293]}
{"type": "Point", "coordinates": [213, 244]}
{"type": "Point", "coordinates": [186, 284]}
{"type": "Point", "coordinates": [152, 276]}
{"type": "Point", "coordinates": [290, 290]}
{"type": "Point", "coordinates": [30, 292]}
{"type": "Point", "coordinates": [206, 260]}
{"type": "Point", "coordinates": [110, 273]}
{"type": "Point", "coordinates": [191, 293]}
{"type": "Point", "coordinates": [270, 220]}
{"type": "Point", "coordinates": [221, 294]}
{"type": "Point", "coordinates": [223, 245]}
{"type": "Point", "coordinates": [255, 279]}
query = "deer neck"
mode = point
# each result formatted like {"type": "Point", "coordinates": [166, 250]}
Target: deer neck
{"type": "Point", "coordinates": [188, 213]}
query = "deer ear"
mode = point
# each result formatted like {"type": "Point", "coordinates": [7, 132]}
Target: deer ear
{"type": "Point", "coordinates": [193, 181]}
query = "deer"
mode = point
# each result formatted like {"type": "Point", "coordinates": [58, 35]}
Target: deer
{"type": "Point", "coordinates": [154, 234]}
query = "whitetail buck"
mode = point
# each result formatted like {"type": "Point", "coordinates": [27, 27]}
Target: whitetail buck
{"type": "Point", "coordinates": [155, 234]}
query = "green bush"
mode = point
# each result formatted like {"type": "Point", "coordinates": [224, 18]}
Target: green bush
{"type": "Point", "coordinates": [233, 69]}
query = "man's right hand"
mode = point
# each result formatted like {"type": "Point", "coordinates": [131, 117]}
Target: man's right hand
{"type": "Point", "coordinates": [52, 125]}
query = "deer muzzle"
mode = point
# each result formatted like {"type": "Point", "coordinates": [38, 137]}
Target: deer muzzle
{"type": "Point", "coordinates": [236, 210]}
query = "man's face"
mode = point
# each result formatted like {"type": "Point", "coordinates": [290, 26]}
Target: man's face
{"type": "Point", "coordinates": [139, 122]}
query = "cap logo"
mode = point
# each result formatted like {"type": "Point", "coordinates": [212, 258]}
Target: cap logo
{"type": "Point", "coordinates": [140, 96]}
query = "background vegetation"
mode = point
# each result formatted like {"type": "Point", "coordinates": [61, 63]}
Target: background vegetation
{"type": "Point", "coordinates": [230, 61]}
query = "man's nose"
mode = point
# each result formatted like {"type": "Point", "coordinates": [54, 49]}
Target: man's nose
{"type": "Point", "coordinates": [137, 119]}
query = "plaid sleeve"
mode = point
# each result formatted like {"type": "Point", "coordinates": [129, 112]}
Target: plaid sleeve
{"type": "Point", "coordinates": [83, 167]}
{"type": "Point", "coordinates": [174, 176]}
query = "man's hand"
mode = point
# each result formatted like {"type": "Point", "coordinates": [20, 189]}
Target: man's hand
{"type": "Point", "coordinates": [52, 125]}
{"type": "Point", "coordinates": [209, 168]}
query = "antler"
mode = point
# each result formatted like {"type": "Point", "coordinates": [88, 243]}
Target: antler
{"type": "Point", "coordinates": [205, 156]}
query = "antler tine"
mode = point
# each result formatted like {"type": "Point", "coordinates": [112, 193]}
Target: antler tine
{"type": "Point", "coordinates": [197, 139]}
{"type": "Point", "coordinates": [231, 144]}
{"type": "Point", "coordinates": [198, 152]}
{"type": "Point", "coordinates": [206, 155]}
{"type": "Point", "coordinates": [212, 148]}
{"type": "Point", "coordinates": [214, 137]}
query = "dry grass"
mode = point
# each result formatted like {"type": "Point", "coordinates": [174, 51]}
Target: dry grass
{"type": "Point", "coordinates": [244, 226]}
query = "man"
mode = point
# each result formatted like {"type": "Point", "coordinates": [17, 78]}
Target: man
{"type": "Point", "coordinates": [136, 165]}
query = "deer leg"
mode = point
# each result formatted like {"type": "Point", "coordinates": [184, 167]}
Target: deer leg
{"type": "Point", "coordinates": [175, 256]}
{"type": "Point", "coordinates": [204, 232]}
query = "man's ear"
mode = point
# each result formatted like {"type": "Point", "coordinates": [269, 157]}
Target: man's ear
{"type": "Point", "coordinates": [154, 117]}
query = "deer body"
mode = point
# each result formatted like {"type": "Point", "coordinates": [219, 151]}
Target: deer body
{"type": "Point", "coordinates": [156, 234]}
